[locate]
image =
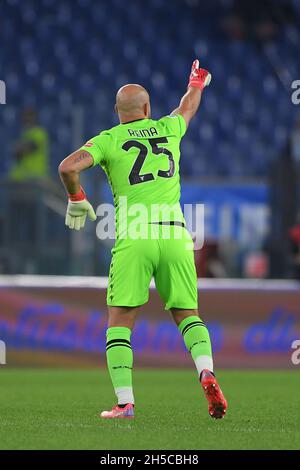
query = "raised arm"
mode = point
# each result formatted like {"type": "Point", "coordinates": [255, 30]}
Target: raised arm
{"type": "Point", "coordinates": [189, 104]}
{"type": "Point", "coordinates": [78, 205]}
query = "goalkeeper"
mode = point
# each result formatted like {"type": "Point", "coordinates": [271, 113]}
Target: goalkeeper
{"type": "Point", "coordinates": [141, 159]}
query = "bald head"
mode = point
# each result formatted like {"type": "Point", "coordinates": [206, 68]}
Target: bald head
{"type": "Point", "coordinates": [132, 102]}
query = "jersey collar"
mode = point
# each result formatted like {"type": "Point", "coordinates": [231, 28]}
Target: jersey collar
{"type": "Point", "coordinates": [135, 120]}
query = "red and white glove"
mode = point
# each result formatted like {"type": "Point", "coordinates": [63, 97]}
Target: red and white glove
{"type": "Point", "coordinates": [77, 210]}
{"type": "Point", "coordinates": [199, 78]}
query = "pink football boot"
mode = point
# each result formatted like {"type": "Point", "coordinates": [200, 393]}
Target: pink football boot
{"type": "Point", "coordinates": [127, 412]}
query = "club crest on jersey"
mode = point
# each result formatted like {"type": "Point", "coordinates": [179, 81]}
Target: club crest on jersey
{"type": "Point", "coordinates": [143, 132]}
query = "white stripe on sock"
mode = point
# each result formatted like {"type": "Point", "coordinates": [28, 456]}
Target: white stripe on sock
{"type": "Point", "coordinates": [124, 395]}
{"type": "Point", "coordinates": [204, 362]}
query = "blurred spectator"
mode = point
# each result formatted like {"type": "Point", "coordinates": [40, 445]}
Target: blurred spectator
{"type": "Point", "coordinates": [258, 19]}
{"type": "Point", "coordinates": [295, 145]}
{"type": "Point", "coordinates": [283, 205]}
{"type": "Point", "coordinates": [294, 238]}
{"type": "Point", "coordinates": [256, 265]}
{"type": "Point", "coordinates": [208, 261]}
{"type": "Point", "coordinates": [31, 151]}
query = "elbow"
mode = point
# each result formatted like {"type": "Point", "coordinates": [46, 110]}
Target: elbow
{"type": "Point", "coordinates": [62, 169]}
{"type": "Point", "coordinates": [65, 169]}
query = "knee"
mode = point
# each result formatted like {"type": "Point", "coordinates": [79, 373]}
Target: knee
{"type": "Point", "coordinates": [180, 315]}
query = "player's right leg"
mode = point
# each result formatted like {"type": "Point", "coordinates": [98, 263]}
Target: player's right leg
{"type": "Point", "coordinates": [176, 281]}
{"type": "Point", "coordinates": [197, 340]}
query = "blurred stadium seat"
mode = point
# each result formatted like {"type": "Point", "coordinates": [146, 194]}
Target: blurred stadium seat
{"type": "Point", "coordinates": [81, 51]}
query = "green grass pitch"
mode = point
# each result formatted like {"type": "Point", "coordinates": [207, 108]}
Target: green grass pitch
{"type": "Point", "coordinates": [57, 409]}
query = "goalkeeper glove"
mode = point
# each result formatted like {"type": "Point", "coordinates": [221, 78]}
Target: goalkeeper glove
{"type": "Point", "coordinates": [199, 78]}
{"type": "Point", "coordinates": [77, 210]}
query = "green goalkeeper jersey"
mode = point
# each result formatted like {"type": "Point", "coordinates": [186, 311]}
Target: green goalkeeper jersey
{"type": "Point", "coordinates": [141, 161]}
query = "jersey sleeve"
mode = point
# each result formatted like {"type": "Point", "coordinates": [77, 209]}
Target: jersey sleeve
{"type": "Point", "coordinates": [176, 123]}
{"type": "Point", "coordinates": [97, 148]}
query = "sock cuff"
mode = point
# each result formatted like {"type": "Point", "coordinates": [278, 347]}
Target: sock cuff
{"type": "Point", "coordinates": [193, 319]}
{"type": "Point", "coordinates": [118, 332]}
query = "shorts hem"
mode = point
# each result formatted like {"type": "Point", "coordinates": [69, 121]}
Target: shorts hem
{"type": "Point", "coordinates": [184, 307]}
{"type": "Point", "coordinates": [127, 304]}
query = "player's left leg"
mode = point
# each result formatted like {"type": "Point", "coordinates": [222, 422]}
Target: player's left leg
{"type": "Point", "coordinates": [130, 274]}
{"type": "Point", "coordinates": [120, 359]}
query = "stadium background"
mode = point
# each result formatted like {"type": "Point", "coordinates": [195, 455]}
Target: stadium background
{"type": "Point", "coordinates": [240, 157]}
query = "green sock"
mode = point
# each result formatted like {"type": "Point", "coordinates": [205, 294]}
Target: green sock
{"type": "Point", "coordinates": [197, 341]}
{"type": "Point", "coordinates": [120, 360]}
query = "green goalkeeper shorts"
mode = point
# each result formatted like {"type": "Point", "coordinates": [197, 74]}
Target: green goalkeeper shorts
{"type": "Point", "coordinates": [167, 256]}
